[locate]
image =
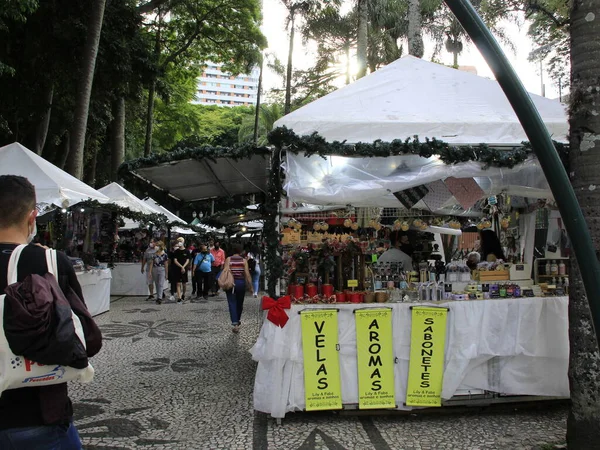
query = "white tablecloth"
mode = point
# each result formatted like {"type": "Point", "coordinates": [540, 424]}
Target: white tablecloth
{"type": "Point", "coordinates": [96, 290]}
{"type": "Point", "coordinates": [129, 280]}
{"type": "Point", "coordinates": [510, 346]}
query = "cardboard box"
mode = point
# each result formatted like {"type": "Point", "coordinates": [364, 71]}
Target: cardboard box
{"type": "Point", "coordinates": [491, 275]}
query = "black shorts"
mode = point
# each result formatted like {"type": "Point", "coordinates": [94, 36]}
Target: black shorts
{"type": "Point", "coordinates": [179, 277]}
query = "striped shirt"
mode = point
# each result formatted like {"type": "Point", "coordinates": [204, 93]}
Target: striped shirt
{"type": "Point", "coordinates": [236, 264]}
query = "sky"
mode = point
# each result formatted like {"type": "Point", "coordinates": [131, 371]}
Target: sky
{"type": "Point", "coordinates": [274, 14]}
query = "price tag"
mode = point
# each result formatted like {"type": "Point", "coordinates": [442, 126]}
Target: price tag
{"type": "Point", "coordinates": [352, 283]}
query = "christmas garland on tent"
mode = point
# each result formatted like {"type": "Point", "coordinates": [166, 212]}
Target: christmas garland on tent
{"type": "Point", "coordinates": [314, 144]}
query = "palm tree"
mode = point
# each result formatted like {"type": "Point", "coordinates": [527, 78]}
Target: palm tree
{"type": "Point", "coordinates": [362, 36]}
{"type": "Point", "coordinates": [268, 115]}
{"type": "Point", "coordinates": [82, 105]}
{"type": "Point", "coordinates": [415, 29]}
{"type": "Point", "coordinates": [583, 431]}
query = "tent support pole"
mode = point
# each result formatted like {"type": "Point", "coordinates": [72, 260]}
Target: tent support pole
{"type": "Point", "coordinates": [542, 146]}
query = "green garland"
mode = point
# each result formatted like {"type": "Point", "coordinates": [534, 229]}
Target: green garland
{"type": "Point", "coordinates": [270, 212]}
{"type": "Point", "coordinates": [286, 139]}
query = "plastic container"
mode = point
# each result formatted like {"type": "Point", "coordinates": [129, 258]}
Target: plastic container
{"type": "Point", "coordinates": [356, 297]}
{"type": "Point", "coordinates": [298, 291]}
{"type": "Point", "coordinates": [311, 290]}
{"type": "Point", "coordinates": [327, 290]}
{"type": "Point", "coordinates": [340, 297]}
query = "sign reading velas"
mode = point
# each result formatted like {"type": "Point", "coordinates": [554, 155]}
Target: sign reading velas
{"type": "Point", "coordinates": [322, 386]}
{"type": "Point", "coordinates": [375, 358]}
{"type": "Point", "coordinates": [426, 367]}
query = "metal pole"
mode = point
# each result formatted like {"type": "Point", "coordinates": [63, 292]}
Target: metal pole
{"type": "Point", "coordinates": [543, 147]}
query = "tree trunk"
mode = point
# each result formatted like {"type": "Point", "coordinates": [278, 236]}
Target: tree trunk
{"type": "Point", "coordinates": [361, 46]}
{"type": "Point", "coordinates": [455, 53]}
{"type": "Point", "coordinates": [288, 77]}
{"type": "Point", "coordinates": [41, 130]}
{"type": "Point", "coordinates": [90, 169]}
{"type": "Point", "coordinates": [151, 94]}
{"type": "Point", "coordinates": [63, 153]}
{"type": "Point", "coordinates": [583, 431]}
{"type": "Point", "coordinates": [84, 91]}
{"type": "Point", "coordinates": [150, 119]}
{"type": "Point", "coordinates": [348, 74]}
{"type": "Point", "coordinates": [117, 138]}
{"type": "Point", "coordinates": [415, 31]}
{"type": "Point", "coordinates": [257, 110]}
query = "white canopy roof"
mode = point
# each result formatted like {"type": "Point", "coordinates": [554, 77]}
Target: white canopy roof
{"type": "Point", "coordinates": [122, 197]}
{"type": "Point", "coordinates": [412, 97]}
{"type": "Point", "coordinates": [53, 186]}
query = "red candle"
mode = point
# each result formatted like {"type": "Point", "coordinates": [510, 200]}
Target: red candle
{"type": "Point", "coordinates": [356, 297]}
{"type": "Point", "coordinates": [311, 290]}
{"type": "Point", "coordinates": [291, 289]}
{"type": "Point", "coordinates": [340, 297]}
{"type": "Point", "coordinates": [298, 291]}
{"type": "Point", "coordinates": [327, 290]}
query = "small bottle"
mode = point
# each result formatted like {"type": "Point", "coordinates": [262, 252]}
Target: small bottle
{"type": "Point", "coordinates": [553, 281]}
{"type": "Point", "coordinates": [554, 268]}
{"type": "Point", "coordinates": [562, 268]}
{"type": "Point", "coordinates": [503, 291]}
{"type": "Point", "coordinates": [566, 285]}
{"type": "Point", "coordinates": [517, 291]}
{"type": "Point", "coordinates": [548, 266]}
{"type": "Point", "coordinates": [510, 291]}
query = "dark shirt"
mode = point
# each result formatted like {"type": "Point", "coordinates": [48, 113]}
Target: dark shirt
{"type": "Point", "coordinates": [33, 406]}
{"type": "Point", "coordinates": [181, 255]}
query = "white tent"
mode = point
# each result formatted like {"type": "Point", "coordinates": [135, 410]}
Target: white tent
{"type": "Point", "coordinates": [53, 186]}
{"type": "Point", "coordinates": [408, 98]}
{"type": "Point", "coordinates": [122, 197]}
{"type": "Point", "coordinates": [413, 97]}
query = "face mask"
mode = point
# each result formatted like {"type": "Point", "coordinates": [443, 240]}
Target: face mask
{"type": "Point", "coordinates": [33, 233]}
{"type": "Point", "coordinates": [217, 246]}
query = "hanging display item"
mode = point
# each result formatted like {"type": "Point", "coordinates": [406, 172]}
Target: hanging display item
{"type": "Point", "coordinates": [375, 358]}
{"type": "Point", "coordinates": [322, 385]}
{"type": "Point", "coordinates": [426, 367]}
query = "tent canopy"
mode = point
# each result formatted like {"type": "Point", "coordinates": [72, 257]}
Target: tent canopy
{"type": "Point", "coordinates": [413, 97]}
{"type": "Point", "coordinates": [122, 197]}
{"type": "Point", "coordinates": [53, 186]}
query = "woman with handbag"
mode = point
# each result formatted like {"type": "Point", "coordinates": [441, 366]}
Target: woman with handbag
{"type": "Point", "coordinates": [236, 267]}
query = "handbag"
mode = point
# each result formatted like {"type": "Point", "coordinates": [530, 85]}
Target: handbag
{"type": "Point", "coordinates": [19, 372]}
{"type": "Point", "coordinates": [226, 281]}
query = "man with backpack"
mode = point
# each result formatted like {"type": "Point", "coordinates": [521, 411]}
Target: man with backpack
{"type": "Point", "coordinates": [38, 417]}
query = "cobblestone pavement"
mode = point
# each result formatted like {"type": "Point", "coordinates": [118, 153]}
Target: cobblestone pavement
{"type": "Point", "coordinates": [174, 376]}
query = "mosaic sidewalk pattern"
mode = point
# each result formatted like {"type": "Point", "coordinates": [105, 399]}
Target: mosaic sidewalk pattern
{"type": "Point", "coordinates": [174, 376]}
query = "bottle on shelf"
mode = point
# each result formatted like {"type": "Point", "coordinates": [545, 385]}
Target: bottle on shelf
{"type": "Point", "coordinates": [562, 268]}
{"type": "Point", "coordinates": [548, 268]}
{"type": "Point", "coordinates": [502, 290]}
{"type": "Point", "coordinates": [553, 268]}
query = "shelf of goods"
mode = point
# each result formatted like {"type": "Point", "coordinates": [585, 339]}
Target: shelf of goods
{"type": "Point", "coordinates": [496, 347]}
{"type": "Point", "coordinates": [96, 288]}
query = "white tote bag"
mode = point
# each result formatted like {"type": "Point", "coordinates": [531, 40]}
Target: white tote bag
{"type": "Point", "coordinates": [18, 371]}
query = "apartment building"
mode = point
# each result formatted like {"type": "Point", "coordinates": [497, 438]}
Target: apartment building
{"type": "Point", "coordinates": [216, 87]}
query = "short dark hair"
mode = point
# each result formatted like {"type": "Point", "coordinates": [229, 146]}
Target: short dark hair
{"type": "Point", "coordinates": [17, 199]}
{"type": "Point", "coordinates": [236, 249]}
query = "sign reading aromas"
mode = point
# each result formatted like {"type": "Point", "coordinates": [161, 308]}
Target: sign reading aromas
{"type": "Point", "coordinates": [426, 367]}
{"type": "Point", "coordinates": [322, 385]}
{"type": "Point", "coordinates": [375, 358]}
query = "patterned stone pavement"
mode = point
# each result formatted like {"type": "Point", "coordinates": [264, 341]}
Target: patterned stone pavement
{"type": "Point", "coordinates": [174, 376]}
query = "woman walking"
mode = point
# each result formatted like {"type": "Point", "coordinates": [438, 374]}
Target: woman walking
{"type": "Point", "coordinates": [159, 267]}
{"type": "Point", "coordinates": [181, 260]}
{"type": "Point", "coordinates": [253, 258]}
{"type": "Point", "coordinates": [242, 281]}
{"type": "Point", "coordinates": [146, 267]}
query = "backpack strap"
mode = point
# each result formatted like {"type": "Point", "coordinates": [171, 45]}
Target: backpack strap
{"type": "Point", "coordinates": [52, 262]}
{"type": "Point", "coordinates": [11, 275]}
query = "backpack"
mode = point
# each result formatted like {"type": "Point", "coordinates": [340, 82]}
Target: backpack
{"type": "Point", "coordinates": [17, 371]}
{"type": "Point", "coordinates": [252, 265]}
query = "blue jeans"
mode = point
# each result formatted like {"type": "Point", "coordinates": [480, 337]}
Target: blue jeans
{"type": "Point", "coordinates": [235, 299]}
{"type": "Point", "coordinates": [256, 278]}
{"type": "Point", "coordinates": [51, 437]}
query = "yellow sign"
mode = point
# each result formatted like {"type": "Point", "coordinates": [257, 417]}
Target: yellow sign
{"type": "Point", "coordinates": [290, 237]}
{"type": "Point", "coordinates": [375, 358]}
{"type": "Point", "coordinates": [426, 368]}
{"type": "Point", "coordinates": [352, 283]}
{"type": "Point", "coordinates": [322, 384]}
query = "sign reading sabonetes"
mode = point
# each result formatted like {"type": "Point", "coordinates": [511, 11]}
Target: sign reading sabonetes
{"type": "Point", "coordinates": [321, 360]}
{"type": "Point", "coordinates": [426, 368]}
{"type": "Point", "coordinates": [375, 358]}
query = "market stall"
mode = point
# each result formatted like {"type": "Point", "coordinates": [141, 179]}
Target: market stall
{"type": "Point", "coordinates": [57, 195]}
{"type": "Point", "coordinates": [445, 327]}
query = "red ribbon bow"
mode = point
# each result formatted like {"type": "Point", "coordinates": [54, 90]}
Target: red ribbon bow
{"type": "Point", "coordinates": [276, 314]}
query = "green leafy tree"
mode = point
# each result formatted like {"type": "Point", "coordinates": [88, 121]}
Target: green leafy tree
{"type": "Point", "coordinates": [267, 116]}
{"type": "Point", "coordinates": [187, 33]}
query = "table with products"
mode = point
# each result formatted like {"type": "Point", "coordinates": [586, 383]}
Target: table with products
{"type": "Point", "coordinates": [96, 287]}
{"type": "Point", "coordinates": [129, 280]}
{"type": "Point", "coordinates": [511, 347]}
